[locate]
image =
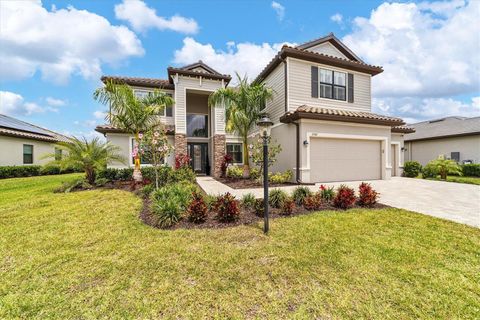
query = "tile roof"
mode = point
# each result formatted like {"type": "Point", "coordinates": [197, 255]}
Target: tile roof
{"type": "Point", "coordinates": [309, 112]}
{"type": "Point", "coordinates": [445, 127]}
{"type": "Point", "coordinates": [17, 128]}
{"type": "Point", "coordinates": [403, 129]}
{"type": "Point", "coordinates": [107, 128]}
{"type": "Point", "coordinates": [143, 82]}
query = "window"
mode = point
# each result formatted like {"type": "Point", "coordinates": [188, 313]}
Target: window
{"type": "Point", "coordinates": [145, 159]}
{"type": "Point", "coordinates": [58, 154]}
{"type": "Point", "coordinates": [167, 111]}
{"type": "Point", "coordinates": [236, 151]}
{"type": "Point", "coordinates": [27, 154]}
{"type": "Point", "coordinates": [197, 125]}
{"type": "Point", "coordinates": [333, 84]}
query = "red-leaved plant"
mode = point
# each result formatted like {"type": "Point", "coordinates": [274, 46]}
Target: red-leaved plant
{"type": "Point", "coordinates": [227, 159]}
{"type": "Point", "coordinates": [227, 208]}
{"type": "Point", "coordinates": [182, 161]}
{"type": "Point", "coordinates": [197, 210]}
{"type": "Point", "coordinates": [367, 197]}
{"type": "Point", "coordinates": [345, 197]}
{"type": "Point", "coordinates": [288, 206]}
{"type": "Point", "coordinates": [313, 202]}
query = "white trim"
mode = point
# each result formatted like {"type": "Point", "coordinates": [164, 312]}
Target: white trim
{"type": "Point", "coordinates": [344, 123]}
{"type": "Point", "coordinates": [383, 148]}
{"type": "Point", "coordinates": [241, 148]}
{"type": "Point", "coordinates": [398, 152]}
{"type": "Point", "coordinates": [130, 158]}
{"type": "Point", "coordinates": [175, 83]}
{"type": "Point", "coordinates": [288, 84]}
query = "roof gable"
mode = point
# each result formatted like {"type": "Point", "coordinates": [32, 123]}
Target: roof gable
{"type": "Point", "coordinates": [197, 69]}
{"type": "Point", "coordinates": [319, 45]}
{"type": "Point", "coordinates": [200, 67]}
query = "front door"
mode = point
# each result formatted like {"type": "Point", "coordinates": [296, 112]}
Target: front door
{"type": "Point", "coordinates": [198, 157]}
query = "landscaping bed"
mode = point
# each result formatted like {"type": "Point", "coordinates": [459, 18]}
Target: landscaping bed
{"type": "Point", "coordinates": [240, 183]}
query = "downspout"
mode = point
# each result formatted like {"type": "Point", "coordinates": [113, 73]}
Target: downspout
{"type": "Point", "coordinates": [297, 135]}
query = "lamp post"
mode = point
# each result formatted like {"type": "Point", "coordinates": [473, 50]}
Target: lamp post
{"type": "Point", "coordinates": [265, 124]}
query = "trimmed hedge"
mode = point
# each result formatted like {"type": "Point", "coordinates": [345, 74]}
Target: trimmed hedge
{"type": "Point", "coordinates": [30, 171]}
{"type": "Point", "coordinates": [411, 169]}
{"type": "Point", "coordinates": [471, 170]}
{"type": "Point", "coordinates": [166, 175]}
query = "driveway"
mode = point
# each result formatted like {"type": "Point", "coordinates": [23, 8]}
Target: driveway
{"type": "Point", "coordinates": [447, 200]}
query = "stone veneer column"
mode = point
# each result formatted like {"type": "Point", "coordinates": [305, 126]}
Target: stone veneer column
{"type": "Point", "coordinates": [180, 144]}
{"type": "Point", "coordinates": [219, 147]}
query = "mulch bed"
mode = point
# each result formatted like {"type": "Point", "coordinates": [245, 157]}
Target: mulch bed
{"type": "Point", "coordinates": [250, 183]}
{"type": "Point", "coordinates": [246, 217]}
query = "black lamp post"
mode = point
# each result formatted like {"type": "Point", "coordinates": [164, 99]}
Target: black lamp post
{"type": "Point", "coordinates": [265, 124]}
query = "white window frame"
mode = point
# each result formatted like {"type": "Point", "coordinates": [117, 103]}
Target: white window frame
{"type": "Point", "coordinates": [130, 161]}
{"type": "Point", "coordinates": [332, 84]}
{"type": "Point", "coordinates": [241, 150]}
{"type": "Point", "coordinates": [150, 91]}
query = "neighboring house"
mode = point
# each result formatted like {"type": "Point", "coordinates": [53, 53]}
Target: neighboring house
{"type": "Point", "coordinates": [22, 143]}
{"type": "Point", "coordinates": [456, 138]}
{"type": "Point", "coordinates": [321, 111]}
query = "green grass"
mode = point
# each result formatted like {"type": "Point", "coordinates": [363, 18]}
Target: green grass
{"type": "Point", "coordinates": [457, 179]}
{"type": "Point", "coordinates": [87, 255]}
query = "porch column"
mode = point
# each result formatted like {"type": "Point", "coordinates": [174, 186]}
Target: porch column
{"type": "Point", "coordinates": [218, 153]}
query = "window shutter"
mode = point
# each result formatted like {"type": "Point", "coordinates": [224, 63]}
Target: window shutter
{"type": "Point", "coordinates": [314, 82]}
{"type": "Point", "coordinates": [350, 87]}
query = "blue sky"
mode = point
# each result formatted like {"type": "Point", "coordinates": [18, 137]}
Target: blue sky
{"type": "Point", "coordinates": [53, 52]}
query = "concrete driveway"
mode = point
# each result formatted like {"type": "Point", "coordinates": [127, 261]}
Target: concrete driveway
{"type": "Point", "coordinates": [447, 200]}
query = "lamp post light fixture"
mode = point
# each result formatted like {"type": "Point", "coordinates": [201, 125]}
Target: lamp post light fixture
{"type": "Point", "coordinates": [265, 125]}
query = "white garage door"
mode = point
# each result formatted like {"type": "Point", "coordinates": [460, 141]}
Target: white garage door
{"type": "Point", "coordinates": [344, 159]}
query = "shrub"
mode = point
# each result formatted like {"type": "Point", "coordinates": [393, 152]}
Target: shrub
{"type": "Point", "coordinates": [276, 198]}
{"type": "Point", "coordinates": [429, 171]}
{"type": "Point", "coordinates": [367, 197]}
{"type": "Point", "coordinates": [182, 161]}
{"type": "Point", "coordinates": [19, 171]}
{"type": "Point", "coordinates": [100, 182]}
{"type": "Point", "coordinates": [326, 193]}
{"type": "Point", "coordinates": [108, 173]}
{"type": "Point", "coordinates": [227, 159]}
{"type": "Point", "coordinates": [210, 201]}
{"type": "Point", "coordinates": [445, 167]}
{"type": "Point", "coordinates": [248, 201]}
{"type": "Point", "coordinates": [184, 174]}
{"type": "Point", "coordinates": [50, 169]}
{"type": "Point", "coordinates": [313, 202]}
{"type": "Point", "coordinates": [227, 208]}
{"type": "Point", "coordinates": [300, 193]}
{"type": "Point", "coordinates": [280, 177]}
{"type": "Point", "coordinates": [171, 201]}
{"type": "Point", "coordinates": [197, 209]}
{"type": "Point", "coordinates": [288, 206]}
{"type": "Point", "coordinates": [254, 173]}
{"type": "Point", "coordinates": [411, 169]}
{"type": "Point", "coordinates": [471, 170]}
{"type": "Point", "coordinates": [125, 174]}
{"type": "Point", "coordinates": [167, 211]}
{"type": "Point", "coordinates": [234, 172]}
{"type": "Point", "coordinates": [259, 207]}
{"type": "Point", "coordinates": [67, 187]}
{"type": "Point", "coordinates": [147, 190]}
{"type": "Point", "coordinates": [345, 197]}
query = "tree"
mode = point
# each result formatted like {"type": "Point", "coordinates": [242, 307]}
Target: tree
{"type": "Point", "coordinates": [88, 156]}
{"type": "Point", "coordinates": [131, 113]}
{"type": "Point", "coordinates": [256, 152]}
{"type": "Point", "coordinates": [243, 106]}
{"type": "Point", "coordinates": [154, 145]}
{"type": "Point", "coordinates": [445, 167]}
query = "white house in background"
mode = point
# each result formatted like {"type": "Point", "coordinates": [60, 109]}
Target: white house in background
{"type": "Point", "coordinates": [321, 111]}
{"type": "Point", "coordinates": [456, 138]}
{"type": "Point", "coordinates": [22, 143]}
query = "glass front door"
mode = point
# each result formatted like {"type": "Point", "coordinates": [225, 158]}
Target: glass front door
{"type": "Point", "coordinates": [198, 153]}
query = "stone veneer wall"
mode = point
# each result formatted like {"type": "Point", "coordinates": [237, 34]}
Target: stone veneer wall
{"type": "Point", "coordinates": [180, 144]}
{"type": "Point", "coordinates": [219, 146]}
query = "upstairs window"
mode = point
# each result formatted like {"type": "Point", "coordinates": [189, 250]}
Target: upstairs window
{"type": "Point", "coordinates": [167, 111]}
{"type": "Point", "coordinates": [27, 154]}
{"type": "Point", "coordinates": [197, 125]}
{"type": "Point", "coordinates": [333, 84]}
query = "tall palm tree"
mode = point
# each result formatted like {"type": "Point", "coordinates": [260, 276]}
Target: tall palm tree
{"type": "Point", "coordinates": [131, 113]}
{"type": "Point", "coordinates": [89, 156]}
{"type": "Point", "coordinates": [243, 107]}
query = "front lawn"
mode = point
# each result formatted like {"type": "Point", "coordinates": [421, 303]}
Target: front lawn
{"type": "Point", "coordinates": [87, 255]}
{"type": "Point", "coordinates": [458, 179]}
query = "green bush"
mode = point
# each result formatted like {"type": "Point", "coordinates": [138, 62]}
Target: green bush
{"type": "Point", "coordinates": [234, 172]}
{"type": "Point", "coordinates": [19, 171]}
{"type": "Point", "coordinates": [254, 173]}
{"type": "Point", "coordinates": [326, 193]}
{"type": "Point", "coordinates": [248, 200]}
{"type": "Point", "coordinates": [259, 208]}
{"type": "Point", "coordinates": [49, 170]}
{"type": "Point", "coordinates": [166, 175]}
{"type": "Point", "coordinates": [429, 171]}
{"type": "Point", "coordinates": [184, 174]}
{"type": "Point", "coordinates": [300, 193]}
{"type": "Point", "coordinates": [67, 187]}
{"type": "Point", "coordinates": [147, 190]}
{"type": "Point", "coordinates": [276, 198]}
{"type": "Point", "coordinates": [167, 211]}
{"type": "Point", "coordinates": [471, 170]}
{"type": "Point", "coordinates": [411, 169]}
{"type": "Point", "coordinates": [281, 177]}
{"type": "Point", "coordinates": [210, 201]}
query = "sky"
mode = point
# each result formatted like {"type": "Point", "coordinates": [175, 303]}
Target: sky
{"type": "Point", "coordinates": [53, 53]}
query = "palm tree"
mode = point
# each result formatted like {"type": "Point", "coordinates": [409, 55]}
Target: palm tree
{"type": "Point", "coordinates": [445, 167]}
{"type": "Point", "coordinates": [243, 107]}
{"type": "Point", "coordinates": [131, 113]}
{"type": "Point", "coordinates": [88, 156]}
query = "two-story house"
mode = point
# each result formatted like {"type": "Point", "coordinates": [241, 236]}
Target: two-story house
{"type": "Point", "coordinates": [321, 111]}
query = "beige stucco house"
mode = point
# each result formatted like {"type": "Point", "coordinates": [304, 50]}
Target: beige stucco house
{"type": "Point", "coordinates": [456, 138]}
{"type": "Point", "coordinates": [321, 111]}
{"type": "Point", "coordinates": [22, 143]}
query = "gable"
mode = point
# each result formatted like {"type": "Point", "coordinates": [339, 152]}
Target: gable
{"type": "Point", "coordinates": [200, 69]}
{"type": "Point", "coordinates": [328, 49]}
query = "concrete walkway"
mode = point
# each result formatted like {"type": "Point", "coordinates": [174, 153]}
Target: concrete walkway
{"type": "Point", "coordinates": [447, 200]}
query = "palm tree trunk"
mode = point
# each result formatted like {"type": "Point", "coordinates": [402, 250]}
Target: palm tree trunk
{"type": "Point", "coordinates": [246, 158]}
{"type": "Point", "coordinates": [137, 174]}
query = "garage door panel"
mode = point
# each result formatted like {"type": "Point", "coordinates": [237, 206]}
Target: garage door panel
{"type": "Point", "coordinates": [344, 159]}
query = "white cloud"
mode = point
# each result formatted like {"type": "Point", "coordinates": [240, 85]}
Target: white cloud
{"type": "Point", "coordinates": [99, 114]}
{"type": "Point", "coordinates": [427, 50]}
{"type": "Point", "coordinates": [55, 102]}
{"type": "Point", "coordinates": [279, 10]}
{"type": "Point", "coordinates": [59, 43]}
{"type": "Point", "coordinates": [245, 58]}
{"type": "Point", "coordinates": [14, 104]}
{"type": "Point", "coordinates": [337, 17]}
{"type": "Point", "coordinates": [142, 18]}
